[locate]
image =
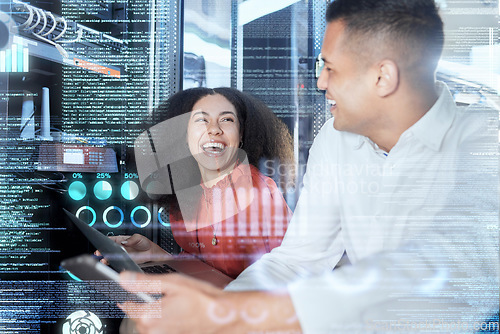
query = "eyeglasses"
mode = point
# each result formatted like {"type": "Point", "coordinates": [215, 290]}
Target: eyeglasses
{"type": "Point", "coordinates": [318, 66]}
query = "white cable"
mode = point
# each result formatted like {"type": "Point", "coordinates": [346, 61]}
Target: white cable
{"type": "Point", "coordinates": [78, 37]}
{"type": "Point", "coordinates": [54, 24]}
{"type": "Point", "coordinates": [30, 17]}
{"type": "Point", "coordinates": [41, 14]}
{"type": "Point", "coordinates": [44, 22]}
{"type": "Point", "coordinates": [35, 10]}
{"type": "Point", "coordinates": [62, 51]}
{"type": "Point", "coordinates": [45, 39]}
{"type": "Point", "coordinates": [59, 48]}
{"type": "Point", "coordinates": [65, 26]}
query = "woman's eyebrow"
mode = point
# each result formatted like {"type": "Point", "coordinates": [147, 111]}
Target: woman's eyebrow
{"type": "Point", "coordinates": [199, 112]}
{"type": "Point", "coordinates": [222, 113]}
{"type": "Point", "coordinates": [227, 112]}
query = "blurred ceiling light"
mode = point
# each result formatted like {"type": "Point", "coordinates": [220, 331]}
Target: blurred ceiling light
{"type": "Point", "coordinates": [253, 9]}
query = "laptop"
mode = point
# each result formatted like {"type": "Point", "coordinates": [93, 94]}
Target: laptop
{"type": "Point", "coordinates": [120, 260]}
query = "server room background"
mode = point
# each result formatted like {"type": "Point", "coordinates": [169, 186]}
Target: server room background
{"type": "Point", "coordinates": [79, 78]}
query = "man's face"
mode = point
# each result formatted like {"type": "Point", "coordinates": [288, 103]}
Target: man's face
{"type": "Point", "coordinates": [347, 83]}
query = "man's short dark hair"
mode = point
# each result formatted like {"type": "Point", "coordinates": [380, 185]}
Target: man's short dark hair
{"type": "Point", "coordinates": [413, 29]}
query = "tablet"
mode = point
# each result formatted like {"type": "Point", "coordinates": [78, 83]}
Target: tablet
{"type": "Point", "coordinates": [103, 278]}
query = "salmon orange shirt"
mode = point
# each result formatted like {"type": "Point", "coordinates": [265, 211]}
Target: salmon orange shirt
{"type": "Point", "coordinates": [238, 220]}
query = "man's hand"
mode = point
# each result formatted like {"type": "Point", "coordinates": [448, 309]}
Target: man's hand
{"type": "Point", "coordinates": [140, 248]}
{"type": "Point", "coordinates": [191, 306]}
{"type": "Point", "coordinates": [188, 305]}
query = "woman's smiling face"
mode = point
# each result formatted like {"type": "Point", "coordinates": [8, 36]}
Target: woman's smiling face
{"type": "Point", "coordinates": [213, 134]}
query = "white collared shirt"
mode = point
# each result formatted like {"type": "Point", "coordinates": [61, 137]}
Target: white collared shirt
{"type": "Point", "coordinates": [419, 225]}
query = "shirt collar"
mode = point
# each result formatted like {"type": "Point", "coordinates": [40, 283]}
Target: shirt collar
{"type": "Point", "coordinates": [362, 140]}
{"type": "Point", "coordinates": [359, 142]}
{"type": "Point", "coordinates": [432, 127]}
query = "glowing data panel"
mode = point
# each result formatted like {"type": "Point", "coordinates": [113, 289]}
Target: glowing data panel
{"type": "Point", "coordinates": [103, 190]}
{"type": "Point", "coordinates": [129, 190]}
{"type": "Point", "coordinates": [90, 210]}
{"type": "Point", "coordinates": [140, 216]}
{"type": "Point", "coordinates": [82, 322]}
{"type": "Point", "coordinates": [15, 59]}
{"type": "Point", "coordinates": [113, 216]}
{"type": "Point", "coordinates": [160, 219]}
{"type": "Point", "coordinates": [77, 190]}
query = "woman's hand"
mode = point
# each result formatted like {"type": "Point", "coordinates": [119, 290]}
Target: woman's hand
{"type": "Point", "coordinates": [140, 248]}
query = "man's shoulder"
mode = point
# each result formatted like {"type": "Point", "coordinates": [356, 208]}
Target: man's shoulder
{"type": "Point", "coordinates": [478, 109]}
{"type": "Point", "coordinates": [476, 120]}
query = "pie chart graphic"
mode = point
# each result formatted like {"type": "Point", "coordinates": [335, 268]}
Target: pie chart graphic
{"type": "Point", "coordinates": [129, 190]}
{"type": "Point", "coordinates": [103, 190]}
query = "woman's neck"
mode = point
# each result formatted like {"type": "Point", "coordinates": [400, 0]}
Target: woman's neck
{"type": "Point", "coordinates": [211, 177]}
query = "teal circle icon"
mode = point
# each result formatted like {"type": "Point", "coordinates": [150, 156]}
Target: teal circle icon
{"type": "Point", "coordinates": [91, 210]}
{"type": "Point", "coordinates": [105, 216]}
{"type": "Point", "coordinates": [103, 190]}
{"type": "Point", "coordinates": [129, 190]}
{"type": "Point", "coordinates": [160, 219]}
{"type": "Point", "coordinates": [77, 190]}
{"type": "Point", "coordinates": [148, 219]}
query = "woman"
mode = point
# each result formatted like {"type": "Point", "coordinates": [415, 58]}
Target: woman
{"type": "Point", "coordinates": [240, 214]}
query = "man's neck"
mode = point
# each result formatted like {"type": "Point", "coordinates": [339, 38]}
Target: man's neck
{"type": "Point", "coordinates": [403, 111]}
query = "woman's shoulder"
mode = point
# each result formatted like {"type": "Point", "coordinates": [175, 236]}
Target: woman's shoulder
{"type": "Point", "coordinates": [247, 176]}
{"type": "Point", "coordinates": [265, 189]}
{"type": "Point", "coordinates": [260, 180]}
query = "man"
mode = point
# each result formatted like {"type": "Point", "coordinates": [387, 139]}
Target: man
{"type": "Point", "coordinates": [401, 183]}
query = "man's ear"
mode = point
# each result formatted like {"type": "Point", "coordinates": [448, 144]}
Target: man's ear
{"type": "Point", "coordinates": [387, 78]}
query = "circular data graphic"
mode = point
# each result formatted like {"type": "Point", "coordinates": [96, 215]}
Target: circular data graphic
{"type": "Point", "coordinates": [107, 219]}
{"type": "Point", "coordinates": [77, 190]}
{"type": "Point", "coordinates": [82, 322]}
{"type": "Point", "coordinates": [129, 190]}
{"type": "Point", "coordinates": [92, 211]}
{"type": "Point", "coordinates": [133, 218]}
{"type": "Point", "coordinates": [160, 219]}
{"type": "Point", "coordinates": [103, 190]}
